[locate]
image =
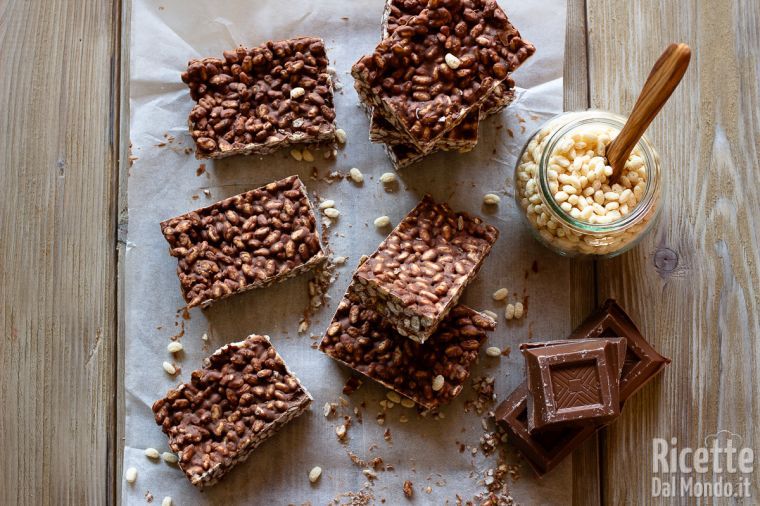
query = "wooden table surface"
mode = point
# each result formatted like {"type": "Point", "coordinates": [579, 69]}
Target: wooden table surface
{"type": "Point", "coordinates": [693, 285]}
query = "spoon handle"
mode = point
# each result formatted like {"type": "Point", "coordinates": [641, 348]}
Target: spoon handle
{"type": "Point", "coordinates": [662, 81]}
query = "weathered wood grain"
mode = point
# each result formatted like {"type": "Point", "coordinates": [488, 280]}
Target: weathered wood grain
{"type": "Point", "coordinates": [693, 285]}
{"type": "Point", "coordinates": [57, 255]}
{"type": "Point", "coordinates": [586, 484]}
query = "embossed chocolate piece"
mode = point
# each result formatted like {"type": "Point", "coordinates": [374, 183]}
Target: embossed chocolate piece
{"type": "Point", "coordinates": [573, 381]}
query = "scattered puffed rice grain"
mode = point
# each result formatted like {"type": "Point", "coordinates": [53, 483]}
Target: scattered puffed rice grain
{"type": "Point", "coordinates": [296, 153]}
{"type": "Point", "coordinates": [509, 313]}
{"type": "Point", "coordinates": [174, 347]}
{"type": "Point", "coordinates": [519, 310]}
{"type": "Point", "coordinates": [315, 473]}
{"type": "Point", "coordinates": [382, 221]}
{"type": "Point", "coordinates": [131, 475]}
{"type": "Point", "coordinates": [340, 431]}
{"type": "Point", "coordinates": [204, 337]}
{"type": "Point", "coordinates": [356, 175]}
{"type": "Point", "coordinates": [490, 314]}
{"type": "Point", "coordinates": [152, 453]}
{"type": "Point", "coordinates": [491, 199]}
{"type": "Point", "coordinates": [331, 212]}
{"type": "Point", "coordinates": [169, 457]}
{"type": "Point", "coordinates": [169, 368]}
{"type": "Point", "coordinates": [167, 501]}
{"type": "Point", "coordinates": [388, 178]}
{"type": "Point", "coordinates": [452, 61]}
{"type": "Point", "coordinates": [403, 419]}
{"type": "Point", "coordinates": [500, 294]}
{"type": "Point", "coordinates": [393, 397]}
{"type": "Point", "coordinates": [297, 92]}
{"type": "Point", "coordinates": [340, 136]}
{"type": "Point", "coordinates": [325, 204]}
{"type": "Point", "coordinates": [307, 156]}
{"type": "Point", "coordinates": [407, 403]}
{"type": "Point", "coordinates": [340, 260]}
{"type": "Point", "coordinates": [303, 327]}
{"type": "Point", "coordinates": [493, 351]}
{"type": "Point", "coordinates": [438, 383]}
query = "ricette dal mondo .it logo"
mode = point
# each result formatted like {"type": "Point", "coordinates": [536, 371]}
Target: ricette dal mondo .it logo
{"type": "Point", "coordinates": [720, 468]}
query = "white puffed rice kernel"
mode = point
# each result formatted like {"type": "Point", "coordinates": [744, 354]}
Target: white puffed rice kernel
{"type": "Point", "coordinates": [356, 175]}
{"type": "Point", "coordinates": [307, 156]}
{"type": "Point", "coordinates": [326, 203]}
{"type": "Point", "coordinates": [340, 431]}
{"type": "Point", "coordinates": [340, 260]}
{"type": "Point", "coordinates": [297, 92]}
{"type": "Point", "coordinates": [382, 221]}
{"type": "Point", "coordinates": [331, 212]}
{"type": "Point", "coordinates": [519, 310]}
{"type": "Point", "coordinates": [388, 178]}
{"type": "Point", "coordinates": [340, 136]}
{"type": "Point", "coordinates": [296, 154]}
{"type": "Point", "coordinates": [393, 396]}
{"type": "Point", "coordinates": [491, 199]}
{"type": "Point", "coordinates": [438, 383]}
{"type": "Point", "coordinates": [152, 453]}
{"type": "Point", "coordinates": [131, 475]}
{"type": "Point", "coordinates": [174, 347]}
{"type": "Point", "coordinates": [490, 314]}
{"type": "Point", "coordinates": [493, 351]}
{"type": "Point", "coordinates": [204, 337]}
{"type": "Point", "coordinates": [452, 61]}
{"type": "Point", "coordinates": [407, 403]}
{"type": "Point", "coordinates": [169, 457]}
{"type": "Point", "coordinates": [500, 294]}
{"type": "Point", "coordinates": [509, 313]}
{"type": "Point", "coordinates": [169, 368]}
{"type": "Point", "coordinates": [315, 473]}
{"type": "Point", "coordinates": [167, 501]}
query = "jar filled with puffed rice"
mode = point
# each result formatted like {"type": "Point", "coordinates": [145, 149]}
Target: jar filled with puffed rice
{"type": "Point", "coordinates": [563, 186]}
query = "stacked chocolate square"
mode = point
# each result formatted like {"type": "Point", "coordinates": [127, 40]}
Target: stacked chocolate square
{"type": "Point", "coordinates": [576, 386]}
{"type": "Point", "coordinates": [399, 323]}
{"type": "Point", "coordinates": [442, 66]}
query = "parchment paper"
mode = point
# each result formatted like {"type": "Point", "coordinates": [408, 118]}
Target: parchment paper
{"type": "Point", "coordinates": [163, 183]}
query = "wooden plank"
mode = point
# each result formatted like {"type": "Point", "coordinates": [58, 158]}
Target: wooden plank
{"type": "Point", "coordinates": [57, 255]}
{"type": "Point", "coordinates": [692, 285]}
{"type": "Point", "coordinates": [586, 485]}
{"type": "Point", "coordinates": [121, 236]}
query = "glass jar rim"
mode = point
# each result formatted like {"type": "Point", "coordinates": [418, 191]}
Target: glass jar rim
{"type": "Point", "coordinates": [579, 119]}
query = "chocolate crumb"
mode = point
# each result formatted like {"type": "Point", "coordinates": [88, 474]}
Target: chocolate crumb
{"type": "Point", "coordinates": [408, 489]}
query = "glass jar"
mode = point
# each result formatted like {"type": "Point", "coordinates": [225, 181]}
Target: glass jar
{"type": "Point", "coordinates": [563, 163]}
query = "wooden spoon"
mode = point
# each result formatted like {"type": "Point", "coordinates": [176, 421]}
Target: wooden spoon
{"type": "Point", "coordinates": [662, 81]}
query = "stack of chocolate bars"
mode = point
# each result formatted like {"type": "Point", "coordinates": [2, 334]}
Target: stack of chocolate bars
{"type": "Point", "coordinates": [399, 323]}
{"type": "Point", "coordinates": [442, 66]}
{"type": "Point", "coordinates": [576, 386]}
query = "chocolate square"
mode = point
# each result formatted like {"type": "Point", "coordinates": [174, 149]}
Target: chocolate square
{"type": "Point", "coordinates": [573, 381]}
{"type": "Point", "coordinates": [642, 361]}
